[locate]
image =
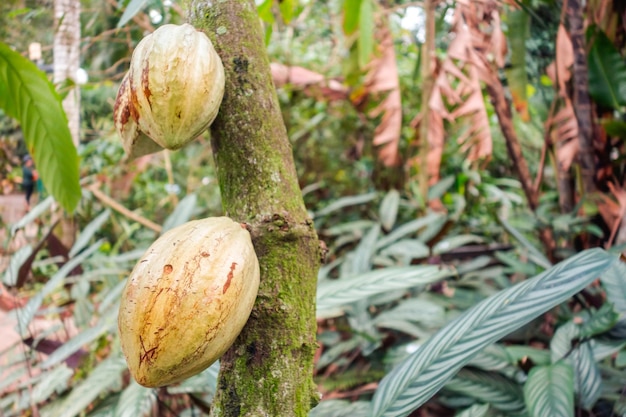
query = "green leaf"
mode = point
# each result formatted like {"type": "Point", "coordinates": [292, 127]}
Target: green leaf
{"type": "Point", "coordinates": [287, 8]}
{"type": "Point", "coordinates": [26, 313]}
{"type": "Point", "coordinates": [55, 380]}
{"type": "Point", "coordinates": [409, 228]}
{"type": "Point", "coordinates": [595, 322]}
{"type": "Point", "coordinates": [205, 382]}
{"type": "Point", "coordinates": [521, 353]}
{"type": "Point", "coordinates": [407, 249]}
{"type": "Point", "coordinates": [132, 9]}
{"type": "Point", "coordinates": [489, 387]}
{"type": "Point", "coordinates": [103, 377]}
{"type": "Point", "coordinates": [607, 73]}
{"type": "Point", "coordinates": [351, 10]}
{"type": "Point", "coordinates": [332, 294]}
{"type": "Point", "coordinates": [346, 202]}
{"type": "Point", "coordinates": [389, 209]}
{"type": "Point", "coordinates": [75, 343]}
{"type": "Point", "coordinates": [360, 260]}
{"type": "Point", "coordinates": [492, 358]}
{"type": "Point", "coordinates": [341, 408]}
{"type": "Point", "coordinates": [182, 213]}
{"type": "Point", "coordinates": [535, 254]}
{"type": "Point", "coordinates": [587, 377]}
{"type": "Point", "coordinates": [453, 242]}
{"type": "Point", "coordinates": [32, 215]}
{"type": "Point", "coordinates": [28, 96]}
{"type": "Point", "coordinates": [15, 263]}
{"type": "Point", "coordinates": [549, 391]}
{"type": "Point", "coordinates": [366, 32]}
{"type": "Point", "coordinates": [265, 11]}
{"type": "Point", "coordinates": [614, 127]}
{"type": "Point", "coordinates": [416, 379]}
{"type": "Point", "coordinates": [615, 285]}
{"type": "Point", "coordinates": [517, 76]}
{"type": "Point", "coordinates": [135, 401]}
{"type": "Point", "coordinates": [88, 232]}
{"type": "Point", "coordinates": [477, 410]}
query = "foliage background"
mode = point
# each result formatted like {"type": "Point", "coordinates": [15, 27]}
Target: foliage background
{"type": "Point", "coordinates": [402, 264]}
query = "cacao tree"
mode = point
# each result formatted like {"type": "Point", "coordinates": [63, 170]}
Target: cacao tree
{"type": "Point", "coordinates": [268, 371]}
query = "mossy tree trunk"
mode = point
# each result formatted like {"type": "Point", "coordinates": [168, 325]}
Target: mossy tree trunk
{"type": "Point", "coordinates": [268, 371]}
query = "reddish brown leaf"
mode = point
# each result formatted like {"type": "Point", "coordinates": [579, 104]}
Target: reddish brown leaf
{"type": "Point", "coordinates": [313, 83]}
{"type": "Point", "coordinates": [382, 77]}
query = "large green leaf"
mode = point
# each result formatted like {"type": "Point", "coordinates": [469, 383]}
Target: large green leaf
{"type": "Point", "coordinates": [607, 73]}
{"type": "Point", "coordinates": [418, 377]}
{"type": "Point", "coordinates": [549, 391]}
{"type": "Point", "coordinates": [28, 96]}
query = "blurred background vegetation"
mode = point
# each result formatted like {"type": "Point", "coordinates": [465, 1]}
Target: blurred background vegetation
{"type": "Point", "coordinates": [436, 134]}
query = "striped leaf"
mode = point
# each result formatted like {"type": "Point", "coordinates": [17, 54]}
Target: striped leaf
{"type": "Point", "coordinates": [336, 293]}
{"type": "Point", "coordinates": [549, 391]}
{"type": "Point", "coordinates": [587, 377]}
{"type": "Point", "coordinates": [489, 387]}
{"type": "Point", "coordinates": [26, 314]}
{"type": "Point", "coordinates": [88, 232]}
{"type": "Point", "coordinates": [416, 379]}
{"type": "Point", "coordinates": [105, 376]}
{"type": "Point", "coordinates": [477, 410]}
{"type": "Point", "coordinates": [135, 401]}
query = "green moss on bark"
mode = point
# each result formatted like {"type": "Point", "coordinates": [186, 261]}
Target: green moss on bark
{"type": "Point", "coordinates": [268, 371]}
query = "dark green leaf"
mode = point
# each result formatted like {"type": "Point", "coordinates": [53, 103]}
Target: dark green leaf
{"type": "Point", "coordinates": [607, 73]}
{"type": "Point", "coordinates": [28, 96]}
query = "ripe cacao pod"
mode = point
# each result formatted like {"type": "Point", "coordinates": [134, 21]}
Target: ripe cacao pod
{"type": "Point", "coordinates": [176, 84]}
{"type": "Point", "coordinates": [187, 300]}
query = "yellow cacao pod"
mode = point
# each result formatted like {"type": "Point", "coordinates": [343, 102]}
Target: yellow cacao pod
{"type": "Point", "coordinates": [176, 84]}
{"type": "Point", "coordinates": [187, 300]}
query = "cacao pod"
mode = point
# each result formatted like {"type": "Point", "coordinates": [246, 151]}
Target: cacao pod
{"type": "Point", "coordinates": [135, 142]}
{"type": "Point", "coordinates": [187, 300]}
{"type": "Point", "coordinates": [176, 84]}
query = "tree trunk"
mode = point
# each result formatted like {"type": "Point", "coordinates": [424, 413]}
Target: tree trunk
{"type": "Point", "coordinates": [428, 77]}
{"type": "Point", "coordinates": [582, 102]}
{"type": "Point", "coordinates": [268, 371]}
{"type": "Point", "coordinates": [66, 52]}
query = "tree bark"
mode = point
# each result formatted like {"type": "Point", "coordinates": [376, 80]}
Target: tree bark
{"type": "Point", "coordinates": [502, 108]}
{"type": "Point", "coordinates": [268, 371]}
{"type": "Point", "coordinates": [428, 53]}
{"type": "Point", "coordinates": [582, 102]}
